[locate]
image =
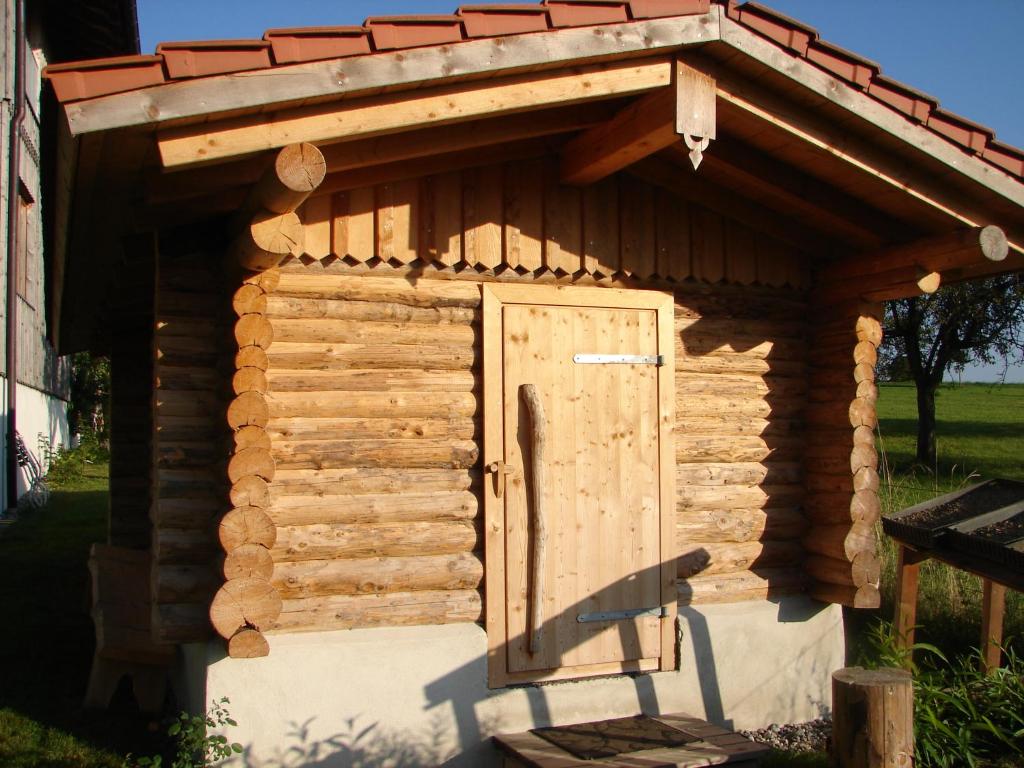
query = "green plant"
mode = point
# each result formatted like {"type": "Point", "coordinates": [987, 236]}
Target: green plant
{"type": "Point", "coordinates": [962, 716]}
{"type": "Point", "coordinates": [67, 465]}
{"type": "Point", "coordinates": [195, 746]}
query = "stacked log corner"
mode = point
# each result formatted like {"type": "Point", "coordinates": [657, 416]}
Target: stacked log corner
{"type": "Point", "coordinates": [269, 231]}
{"type": "Point", "coordinates": [841, 463]}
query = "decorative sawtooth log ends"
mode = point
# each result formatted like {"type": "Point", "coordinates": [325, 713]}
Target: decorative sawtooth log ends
{"type": "Point", "coordinates": [841, 465]}
{"type": "Point", "coordinates": [269, 231]}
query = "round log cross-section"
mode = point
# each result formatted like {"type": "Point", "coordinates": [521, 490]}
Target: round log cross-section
{"type": "Point", "coordinates": [872, 718]}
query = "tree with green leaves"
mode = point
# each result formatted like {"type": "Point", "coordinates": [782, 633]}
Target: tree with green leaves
{"type": "Point", "coordinates": [980, 321]}
{"type": "Point", "coordinates": [90, 396]}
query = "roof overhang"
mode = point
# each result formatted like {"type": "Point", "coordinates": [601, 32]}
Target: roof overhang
{"type": "Point", "coordinates": [809, 134]}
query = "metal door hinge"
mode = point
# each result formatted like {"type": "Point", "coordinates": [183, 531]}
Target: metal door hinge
{"type": "Point", "coordinates": [620, 359]}
{"type": "Point", "coordinates": [630, 613]}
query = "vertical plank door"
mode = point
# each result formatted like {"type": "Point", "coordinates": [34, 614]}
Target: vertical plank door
{"type": "Point", "coordinates": [583, 526]}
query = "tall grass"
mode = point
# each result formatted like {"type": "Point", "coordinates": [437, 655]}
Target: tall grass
{"type": "Point", "coordinates": [980, 435]}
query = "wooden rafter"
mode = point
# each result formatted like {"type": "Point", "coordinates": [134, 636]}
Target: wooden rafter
{"type": "Point", "coordinates": [391, 113]}
{"type": "Point", "coordinates": [648, 125]}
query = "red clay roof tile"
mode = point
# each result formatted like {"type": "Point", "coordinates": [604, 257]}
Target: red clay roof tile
{"type": "Point", "coordinates": [582, 13]}
{"type": "Point", "coordinates": [1008, 158]}
{"type": "Point", "coordinates": [961, 130]}
{"type": "Point", "coordinates": [391, 32]}
{"type": "Point", "coordinates": [777, 27]}
{"type": "Point", "coordinates": [495, 20]}
{"type": "Point", "coordinates": [913, 103]}
{"type": "Point", "coordinates": [653, 9]}
{"type": "Point", "coordinates": [100, 77]}
{"type": "Point", "coordinates": [199, 58]}
{"type": "Point", "coordinates": [841, 62]}
{"type": "Point", "coordinates": [290, 46]}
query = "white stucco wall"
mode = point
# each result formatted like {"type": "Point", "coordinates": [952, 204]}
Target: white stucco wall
{"type": "Point", "coordinates": [39, 415]}
{"type": "Point", "coordinates": [416, 696]}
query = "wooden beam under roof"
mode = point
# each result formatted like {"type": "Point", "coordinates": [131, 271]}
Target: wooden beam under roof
{"type": "Point", "coordinates": [788, 190]}
{"type": "Point", "coordinates": [686, 108]}
{"type": "Point", "coordinates": [682, 180]}
{"type": "Point", "coordinates": [396, 112]}
{"type": "Point", "coordinates": [390, 148]}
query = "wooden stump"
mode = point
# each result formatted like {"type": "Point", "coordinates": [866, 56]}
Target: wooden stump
{"type": "Point", "coordinates": [872, 718]}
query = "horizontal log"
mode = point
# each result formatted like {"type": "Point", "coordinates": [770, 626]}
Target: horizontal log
{"type": "Point", "coordinates": [189, 483]}
{"type": "Point", "coordinates": [186, 403]}
{"type": "Point", "coordinates": [305, 307]}
{"type": "Point", "coordinates": [249, 380]}
{"type": "Point", "coordinates": [185, 583]}
{"type": "Point", "coordinates": [181, 622]}
{"type": "Point", "coordinates": [724, 385]}
{"type": "Point", "coordinates": [246, 525]}
{"type": "Point", "coordinates": [424, 607]}
{"type": "Point", "coordinates": [730, 338]}
{"type": "Point", "coordinates": [249, 561]}
{"type": "Point", "coordinates": [856, 413]}
{"type": "Point", "coordinates": [737, 496]}
{"type": "Point", "coordinates": [372, 429]}
{"type": "Point", "coordinates": [841, 508]}
{"type": "Point", "coordinates": [241, 603]}
{"type": "Point", "coordinates": [826, 378]}
{"type": "Point", "coordinates": [249, 300]}
{"type": "Point", "coordinates": [267, 239]}
{"type": "Point", "coordinates": [298, 169]}
{"type": "Point", "coordinates": [401, 380]}
{"type": "Point", "coordinates": [738, 525]}
{"type": "Point", "coordinates": [759, 584]}
{"type": "Point", "coordinates": [375, 508]}
{"type": "Point", "coordinates": [373, 405]}
{"type": "Point", "coordinates": [252, 357]}
{"type": "Point", "coordinates": [258, 462]}
{"type": "Point", "coordinates": [254, 331]}
{"type": "Point", "coordinates": [172, 546]}
{"type": "Point", "coordinates": [740, 364]}
{"type": "Point", "coordinates": [251, 437]}
{"type": "Point", "coordinates": [250, 491]}
{"type": "Point", "coordinates": [710, 558]}
{"type": "Point", "coordinates": [841, 461]}
{"type": "Point", "coordinates": [336, 357]}
{"type": "Point", "coordinates": [754, 407]}
{"type": "Point", "coordinates": [866, 596]}
{"type": "Point", "coordinates": [376, 575]}
{"type": "Point", "coordinates": [170, 330]}
{"type": "Point", "coordinates": [396, 454]}
{"type": "Point", "coordinates": [366, 332]}
{"type": "Point", "coordinates": [328, 542]}
{"type": "Point", "coordinates": [737, 424]}
{"type": "Point", "coordinates": [340, 482]}
{"type": "Point", "coordinates": [730, 448]}
{"type": "Point", "coordinates": [863, 352]}
{"type": "Point", "coordinates": [738, 473]}
{"type": "Point", "coordinates": [248, 409]}
{"type": "Point", "coordinates": [823, 436]}
{"type": "Point", "coordinates": [383, 290]}
{"type": "Point", "coordinates": [266, 279]}
{"type": "Point", "coordinates": [248, 644]}
{"type": "Point", "coordinates": [197, 378]}
{"type": "Point", "coordinates": [865, 569]}
{"type": "Point", "coordinates": [841, 542]}
{"type": "Point", "coordinates": [187, 514]}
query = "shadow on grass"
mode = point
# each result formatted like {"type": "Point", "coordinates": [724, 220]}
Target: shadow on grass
{"type": "Point", "coordinates": [46, 646]}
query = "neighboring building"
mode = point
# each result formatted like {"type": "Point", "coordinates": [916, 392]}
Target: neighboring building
{"type": "Point", "coordinates": [53, 31]}
{"type": "Point", "coordinates": [454, 355]}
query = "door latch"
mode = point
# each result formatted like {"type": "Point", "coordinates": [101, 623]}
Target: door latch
{"type": "Point", "coordinates": [500, 470]}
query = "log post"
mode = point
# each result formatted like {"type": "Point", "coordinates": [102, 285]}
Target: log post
{"type": "Point", "coordinates": [907, 567]}
{"type": "Point", "coordinates": [268, 231]}
{"type": "Point", "coordinates": [993, 605]}
{"type": "Point", "coordinates": [872, 718]}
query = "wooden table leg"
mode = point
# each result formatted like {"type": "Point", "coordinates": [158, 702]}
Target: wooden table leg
{"type": "Point", "coordinates": [907, 568]}
{"type": "Point", "coordinates": [993, 605]}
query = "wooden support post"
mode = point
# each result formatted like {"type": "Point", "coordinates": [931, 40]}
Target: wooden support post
{"type": "Point", "coordinates": [992, 607]}
{"type": "Point", "coordinates": [907, 567]}
{"type": "Point", "coordinates": [872, 718]}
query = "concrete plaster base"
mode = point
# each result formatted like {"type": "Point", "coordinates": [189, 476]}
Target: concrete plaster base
{"type": "Point", "coordinates": [417, 696]}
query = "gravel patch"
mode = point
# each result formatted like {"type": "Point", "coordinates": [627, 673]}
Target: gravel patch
{"type": "Point", "coordinates": [812, 736]}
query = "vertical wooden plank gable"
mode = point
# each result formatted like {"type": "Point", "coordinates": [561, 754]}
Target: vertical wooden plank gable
{"type": "Point", "coordinates": [483, 211]}
{"type": "Point", "coordinates": [637, 214]}
{"type": "Point", "coordinates": [524, 215]}
{"type": "Point", "coordinates": [708, 247]}
{"type": "Point", "coordinates": [563, 225]}
{"type": "Point", "coordinates": [397, 223]}
{"type": "Point", "coordinates": [601, 227]}
{"type": "Point", "coordinates": [672, 236]}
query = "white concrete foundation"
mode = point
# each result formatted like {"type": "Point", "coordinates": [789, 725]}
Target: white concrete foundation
{"type": "Point", "coordinates": [40, 416]}
{"type": "Point", "coordinates": [417, 696]}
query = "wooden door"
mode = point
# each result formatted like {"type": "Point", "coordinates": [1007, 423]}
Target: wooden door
{"type": "Point", "coordinates": [580, 518]}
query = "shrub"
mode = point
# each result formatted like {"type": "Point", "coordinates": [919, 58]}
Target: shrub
{"type": "Point", "coordinates": [962, 716]}
{"type": "Point", "coordinates": [195, 747]}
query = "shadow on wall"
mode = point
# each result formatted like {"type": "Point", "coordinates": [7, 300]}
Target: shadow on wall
{"type": "Point", "coordinates": [457, 697]}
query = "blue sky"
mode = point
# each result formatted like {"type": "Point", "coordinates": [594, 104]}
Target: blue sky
{"type": "Point", "coordinates": [966, 54]}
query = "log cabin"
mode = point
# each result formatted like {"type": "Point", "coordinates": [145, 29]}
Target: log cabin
{"type": "Point", "coordinates": [509, 368]}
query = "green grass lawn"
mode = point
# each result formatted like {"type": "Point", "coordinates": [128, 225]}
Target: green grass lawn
{"type": "Point", "coordinates": [980, 435]}
{"type": "Point", "coordinates": [47, 640]}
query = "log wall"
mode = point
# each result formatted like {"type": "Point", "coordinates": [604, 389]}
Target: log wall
{"type": "Point", "coordinates": [373, 388]}
{"type": "Point", "coordinates": [190, 478]}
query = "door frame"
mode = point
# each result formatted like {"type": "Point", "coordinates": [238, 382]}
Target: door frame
{"type": "Point", "coordinates": [496, 296]}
